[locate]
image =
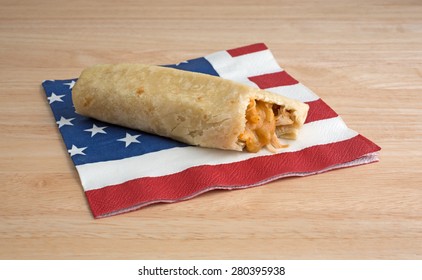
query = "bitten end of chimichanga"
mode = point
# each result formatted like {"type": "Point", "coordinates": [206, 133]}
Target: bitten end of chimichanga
{"type": "Point", "coordinates": [193, 108]}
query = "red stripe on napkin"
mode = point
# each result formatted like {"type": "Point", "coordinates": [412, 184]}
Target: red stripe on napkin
{"type": "Point", "coordinates": [191, 182]}
{"type": "Point", "coordinates": [271, 80]}
{"type": "Point", "coordinates": [319, 110]}
{"type": "Point", "coordinates": [247, 49]}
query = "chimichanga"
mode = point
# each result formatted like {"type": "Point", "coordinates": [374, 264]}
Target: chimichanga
{"type": "Point", "coordinates": [193, 108]}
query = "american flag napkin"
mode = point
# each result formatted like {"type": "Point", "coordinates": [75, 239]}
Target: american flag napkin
{"type": "Point", "coordinates": [123, 170]}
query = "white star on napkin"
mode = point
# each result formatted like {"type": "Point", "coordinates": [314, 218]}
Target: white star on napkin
{"type": "Point", "coordinates": [71, 84]}
{"type": "Point", "coordinates": [129, 139]}
{"type": "Point", "coordinates": [76, 151]}
{"type": "Point", "coordinates": [96, 129]}
{"type": "Point", "coordinates": [182, 62]}
{"type": "Point", "coordinates": [53, 97]}
{"type": "Point", "coordinates": [64, 121]}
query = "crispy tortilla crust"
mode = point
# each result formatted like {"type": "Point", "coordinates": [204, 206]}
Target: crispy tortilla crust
{"type": "Point", "coordinates": [194, 108]}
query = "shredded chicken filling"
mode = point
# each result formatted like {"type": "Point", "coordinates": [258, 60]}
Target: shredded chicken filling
{"type": "Point", "coordinates": [261, 121]}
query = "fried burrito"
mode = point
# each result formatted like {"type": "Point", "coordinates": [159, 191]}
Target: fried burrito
{"type": "Point", "coordinates": [193, 108]}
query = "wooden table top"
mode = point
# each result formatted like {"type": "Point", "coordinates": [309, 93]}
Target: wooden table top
{"type": "Point", "coordinates": [363, 58]}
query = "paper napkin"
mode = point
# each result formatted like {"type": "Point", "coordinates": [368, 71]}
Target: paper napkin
{"type": "Point", "coordinates": [123, 170]}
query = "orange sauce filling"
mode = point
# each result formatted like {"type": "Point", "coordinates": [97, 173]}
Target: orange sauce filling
{"type": "Point", "coordinates": [260, 127]}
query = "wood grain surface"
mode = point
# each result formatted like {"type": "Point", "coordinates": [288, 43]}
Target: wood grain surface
{"type": "Point", "coordinates": [363, 58]}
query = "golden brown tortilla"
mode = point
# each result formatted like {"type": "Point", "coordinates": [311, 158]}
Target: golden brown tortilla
{"type": "Point", "coordinates": [193, 108]}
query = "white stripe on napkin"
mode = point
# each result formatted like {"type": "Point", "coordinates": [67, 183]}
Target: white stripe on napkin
{"type": "Point", "coordinates": [238, 68]}
{"type": "Point", "coordinates": [98, 175]}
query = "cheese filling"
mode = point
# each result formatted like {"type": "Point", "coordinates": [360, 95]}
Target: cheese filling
{"type": "Point", "coordinates": [262, 118]}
